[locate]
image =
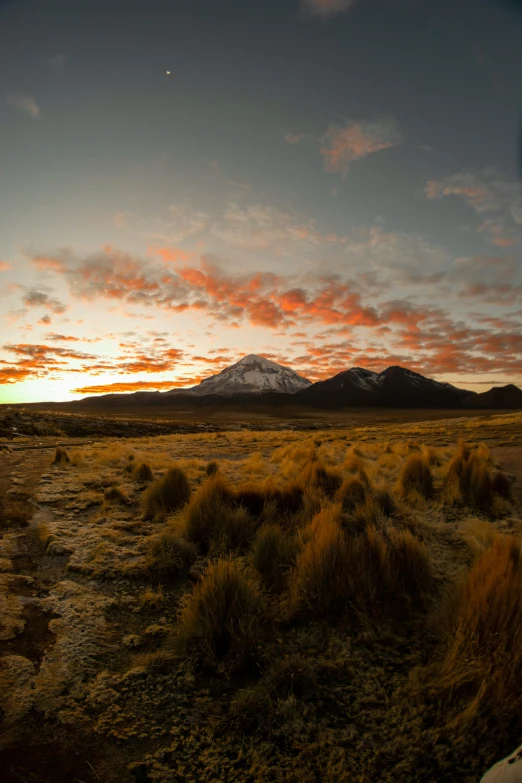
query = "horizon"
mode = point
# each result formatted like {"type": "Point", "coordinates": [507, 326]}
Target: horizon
{"type": "Point", "coordinates": [323, 184]}
{"type": "Point", "coordinates": [130, 391]}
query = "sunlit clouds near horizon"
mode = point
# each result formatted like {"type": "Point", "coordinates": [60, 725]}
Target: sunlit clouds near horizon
{"type": "Point", "coordinates": [311, 182]}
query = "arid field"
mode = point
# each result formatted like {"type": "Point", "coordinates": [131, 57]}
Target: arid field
{"type": "Point", "coordinates": [261, 600]}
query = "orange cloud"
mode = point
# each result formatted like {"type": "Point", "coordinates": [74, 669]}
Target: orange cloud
{"type": "Point", "coordinates": [4, 266]}
{"type": "Point", "coordinates": [343, 145]}
{"type": "Point", "coordinates": [48, 262]}
{"type": "Point", "coordinates": [125, 386]}
{"type": "Point", "coordinates": [170, 254]}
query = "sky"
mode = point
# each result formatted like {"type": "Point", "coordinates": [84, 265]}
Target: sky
{"type": "Point", "coordinates": [327, 183]}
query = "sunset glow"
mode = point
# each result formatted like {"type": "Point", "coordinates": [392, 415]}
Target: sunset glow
{"type": "Point", "coordinates": [340, 207]}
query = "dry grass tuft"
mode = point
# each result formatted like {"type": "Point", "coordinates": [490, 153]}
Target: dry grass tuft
{"type": "Point", "coordinates": [249, 711]}
{"type": "Point", "coordinates": [273, 553]}
{"type": "Point", "coordinates": [60, 457]}
{"type": "Point", "coordinates": [318, 581]}
{"type": "Point", "coordinates": [416, 476]}
{"type": "Point", "coordinates": [143, 473]}
{"type": "Point", "coordinates": [292, 675]}
{"type": "Point", "coordinates": [166, 495]}
{"type": "Point", "coordinates": [211, 468]}
{"type": "Point", "coordinates": [501, 486]}
{"type": "Point", "coordinates": [159, 660]}
{"type": "Point", "coordinates": [151, 599]}
{"type": "Point", "coordinates": [470, 481]}
{"type": "Point", "coordinates": [288, 500]}
{"type": "Point", "coordinates": [480, 675]}
{"type": "Point", "coordinates": [373, 571]}
{"type": "Point", "coordinates": [215, 522]}
{"type": "Point", "coordinates": [322, 478]}
{"type": "Point", "coordinates": [384, 500]}
{"type": "Point", "coordinates": [170, 555]}
{"type": "Point", "coordinates": [115, 495]}
{"type": "Point", "coordinates": [252, 498]}
{"type": "Point", "coordinates": [221, 623]}
{"type": "Point", "coordinates": [353, 492]}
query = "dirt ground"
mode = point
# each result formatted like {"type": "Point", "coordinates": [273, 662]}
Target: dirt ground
{"type": "Point", "coordinates": [80, 707]}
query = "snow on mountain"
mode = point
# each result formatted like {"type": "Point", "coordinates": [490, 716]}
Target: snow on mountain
{"type": "Point", "coordinates": [252, 374]}
{"type": "Point", "coordinates": [394, 387]}
{"type": "Point", "coordinates": [365, 379]}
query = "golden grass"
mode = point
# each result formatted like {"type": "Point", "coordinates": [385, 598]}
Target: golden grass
{"type": "Point", "coordinates": [273, 553]}
{"type": "Point", "coordinates": [115, 495]}
{"type": "Point", "coordinates": [211, 468]}
{"type": "Point", "coordinates": [153, 599]}
{"type": "Point", "coordinates": [470, 480]}
{"type": "Point", "coordinates": [318, 476]}
{"type": "Point", "coordinates": [353, 492]}
{"type": "Point", "coordinates": [480, 674]}
{"type": "Point", "coordinates": [302, 565]}
{"type": "Point", "coordinates": [291, 675]}
{"type": "Point", "coordinates": [215, 521]}
{"type": "Point", "coordinates": [371, 571]}
{"type": "Point", "coordinates": [166, 495]}
{"type": "Point", "coordinates": [416, 476]}
{"type": "Point", "coordinates": [222, 621]}
{"type": "Point", "coordinates": [60, 457]}
{"type": "Point", "coordinates": [143, 473]}
{"type": "Point", "coordinates": [170, 555]}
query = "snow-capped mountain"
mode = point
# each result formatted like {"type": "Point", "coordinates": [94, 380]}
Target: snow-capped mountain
{"type": "Point", "coordinates": [252, 374]}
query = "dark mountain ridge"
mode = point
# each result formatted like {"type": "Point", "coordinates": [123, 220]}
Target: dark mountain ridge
{"type": "Point", "coordinates": [254, 382]}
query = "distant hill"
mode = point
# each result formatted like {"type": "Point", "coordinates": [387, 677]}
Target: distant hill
{"type": "Point", "coordinates": [509, 397]}
{"type": "Point", "coordinates": [257, 382]}
{"type": "Point", "coordinates": [395, 387]}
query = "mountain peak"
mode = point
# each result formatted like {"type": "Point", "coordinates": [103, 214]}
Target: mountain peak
{"type": "Point", "coordinates": [253, 374]}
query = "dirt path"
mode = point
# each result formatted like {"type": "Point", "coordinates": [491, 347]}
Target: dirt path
{"type": "Point", "coordinates": [26, 577]}
{"type": "Point", "coordinates": [510, 460]}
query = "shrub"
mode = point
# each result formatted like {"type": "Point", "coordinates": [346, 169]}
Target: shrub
{"type": "Point", "coordinates": [416, 476]}
{"type": "Point", "coordinates": [60, 457]}
{"type": "Point", "coordinates": [480, 673]}
{"type": "Point", "coordinates": [289, 500]}
{"type": "Point", "coordinates": [385, 501]}
{"type": "Point", "coordinates": [469, 481]}
{"type": "Point", "coordinates": [170, 554]}
{"type": "Point", "coordinates": [501, 485]}
{"type": "Point", "coordinates": [252, 498]}
{"type": "Point", "coordinates": [292, 675]}
{"type": "Point", "coordinates": [143, 473]}
{"type": "Point", "coordinates": [373, 571]}
{"type": "Point", "coordinates": [352, 492]}
{"type": "Point", "coordinates": [159, 660]}
{"type": "Point", "coordinates": [318, 581]}
{"type": "Point", "coordinates": [212, 468]}
{"type": "Point", "coordinates": [166, 495]}
{"type": "Point", "coordinates": [215, 522]}
{"type": "Point", "coordinates": [433, 456]}
{"type": "Point", "coordinates": [115, 494]}
{"type": "Point", "coordinates": [273, 553]}
{"type": "Point", "coordinates": [221, 623]}
{"type": "Point", "coordinates": [368, 514]}
{"type": "Point", "coordinates": [326, 480]}
{"type": "Point", "coordinates": [354, 461]}
{"type": "Point", "coordinates": [410, 572]}
{"type": "Point", "coordinates": [250, 710]}
{"type": "Point", "coordinates": [150, 598]}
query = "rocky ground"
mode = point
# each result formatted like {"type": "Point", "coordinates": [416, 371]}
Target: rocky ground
{"type": "Point", "coordinates": [88, 692]}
